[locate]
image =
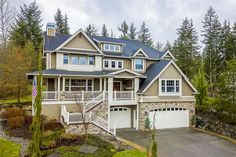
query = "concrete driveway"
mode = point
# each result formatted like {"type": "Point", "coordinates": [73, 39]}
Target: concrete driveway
{"type": "Point", "coordinates": [182, 142]}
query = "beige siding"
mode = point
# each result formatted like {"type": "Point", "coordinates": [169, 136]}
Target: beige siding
{"type": "Point", "coordinates": [96, 84]}
{"type": "Point", "coordinates": [149, 62]}
{"type": "Point", "coordinates": [50, 31]}
{"type": "Point", "coordinates": [186, 89]}
{"type": "Point", "coordinates": [171, 72]}
{"type": "Point", "coordinates": [81, 42]}
{"type": "Point", "coordinates": [125, 74]}
{"type": "Point", "coordinates": [153, 90]}
{"type": "Point", "coordinates": [52, 111]}
{"type": "Point", "coordinates": [53, 60]}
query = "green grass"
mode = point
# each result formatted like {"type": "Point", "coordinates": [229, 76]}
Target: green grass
{"type": "Point", "coordinates": [130, 153]}
{"type": "Point", "coordinates": [9, 149]}
{"type": "Point", "coordinates": [24, 99]}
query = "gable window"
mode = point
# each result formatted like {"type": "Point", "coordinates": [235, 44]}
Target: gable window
{"type": "Point", "coordinates": [113, 64]}
{"type": "Point", "coordinates": [91, 60]}
{"type": "Point", "coordinates": [74, 60]}
{"type": "Point", "coordinates": [65, 59]}
{"type": "Point", "coordinates": [170, 87]}
{"type": "Point", "coordinates": [106, 64]}
{"type": "Point", "coordinates": [111, 47]}
{"type": "Point", "coordinates": [139, 64]}
{"type": "Point", "coordinates": [120, 64]}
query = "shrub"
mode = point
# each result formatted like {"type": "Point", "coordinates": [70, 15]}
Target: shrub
{"type": "Point", "coordinates": [52, 124]}
{"type": "Point", "coordinates": [193, 120]}
{"type": "Point", "coordinates": [97, 141]}
{"type": "Point", "coordinates": [68, 139]}
{"type": "Point", "coordinates": [14, 112]}
{"type": "Point", "coordinates": [147, 123]}
{"type": "Point", "coordinates": [45, 145]}
{"type": "Point", "coordinates": [28, 120]}
{"type": "Point", "coordinates": [15, 122]}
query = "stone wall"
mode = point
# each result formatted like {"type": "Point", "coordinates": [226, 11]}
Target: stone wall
{"type": "Point", "coordinates": [145, 107]}
{"type": "Point", "coordinates": [216, 126]}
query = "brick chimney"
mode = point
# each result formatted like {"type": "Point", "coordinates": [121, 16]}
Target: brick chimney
{"type": "Point", "coordinates": [51, 30]}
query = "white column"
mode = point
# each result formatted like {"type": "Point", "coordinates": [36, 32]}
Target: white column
{"type": "Point", "coordinates": [136, 84]}
{"type": "Point", "coordinates": [110, 89]}
{"type": "Point", "coordinates": [104, 85]}
{"type": "Point", "coordinates": [100, 86]}
{"type": "Point", "coordinates": [58, 87]}
{"type": "Point", "coordinates": [137, 123]}
{"type": "Point", "coordinates": [63, 83]}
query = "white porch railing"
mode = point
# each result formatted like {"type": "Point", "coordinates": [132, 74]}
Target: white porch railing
{"type": "Point", "coordinates": [49, 95]}
{"type": "Point", "coordinates": [123, 95]}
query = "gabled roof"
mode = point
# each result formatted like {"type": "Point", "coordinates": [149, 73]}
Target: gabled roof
{"type": "Point", "coordinates": [168, 53]}
{"type": "Point", "coordinates": [129, 46]}
{"type": "Point", "coordinates": [153, 70]}
{"type": "Point", "coordinates": [128, 71]}
{"type": "Point", "coordinates": [137, 52]}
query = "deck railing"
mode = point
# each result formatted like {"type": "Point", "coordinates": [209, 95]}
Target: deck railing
{"type": "Point", "coordinates": [123, 95]}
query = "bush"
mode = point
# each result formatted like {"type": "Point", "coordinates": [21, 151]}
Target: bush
{"type": "Point", "coordinates": [48, 144]}
{"type": "Point", "coordinates": [14, 112]}
{"type": "Point", "coordinates": [52, 125]}
{"type": "Point", "coordinates": [15, 122]}
{"type": "Point", "coordinates": [97, 141]}
{"type": "Point", "coordinates": [71, 139]}
{"type": "Point", "coordinates": [147, 123]}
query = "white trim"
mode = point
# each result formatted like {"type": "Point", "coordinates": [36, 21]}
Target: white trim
{"type": "Point", "coordinates": [169, 53]}
{"type": "Point", "coordinates": [79, 49]}
{"type": "Point", "coordinates": [170, 93]}
{"type": "Point", "coordinates": [125, 70]}
{"type": "Point", "coordinates": [171, 62]}
{"type": "Point", "coordinates": [109, 45]}
{"type": "Point", "coordinates": [98, 41]}
{"type": "Point", "coordinates": [144, 65]}
{"type": "Point", "coordinates": [74, 35]}
{"type": "Point", "coordinates": [140, 50]}
{"type": "Point", "coordinates": [83, 53]}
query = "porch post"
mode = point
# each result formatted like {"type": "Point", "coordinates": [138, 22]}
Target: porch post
{"type": "Point", "coordinates": [110, 89]}
{"type": "Point", "coordinates": [100, 86]}
{"type": "Point", "coordinates": [137, 123]}
{"type": "Point", "coordinates": [104, 85]}
{"type": "Point", "coordinates": [58, 87]}
{"type": "Point", "coordinates": [63, 84]}
{"type": "Point", "coordinates": [136, 84]}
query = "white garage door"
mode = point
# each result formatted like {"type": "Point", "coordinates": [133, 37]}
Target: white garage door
{"type": "Point", "coordinates": [121, 116]}
{"type": "Point", "coordinates": [169, 118]}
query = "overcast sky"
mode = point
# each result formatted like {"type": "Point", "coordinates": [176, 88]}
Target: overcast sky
{"type": "Point", "coordinates": [163, 17]}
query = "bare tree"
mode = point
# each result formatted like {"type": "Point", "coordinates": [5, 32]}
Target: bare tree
{"type": "Point", "coordinates": [6, 20]}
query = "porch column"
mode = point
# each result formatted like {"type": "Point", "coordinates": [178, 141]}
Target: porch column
{"type": "Point", "coordinates": [63, 83]}
{"type": "Point", "coordinates": [110, 89]}
{"type": "Point", "coordinates": [136, 84]}
{"type": "Point", "coordinates": [104, 85]}
{"type": "Point", "coordinates": [137, 123]}
{"type": "Point", "coordinates": [100, 86]}
{"type": "Point", "coordinates": [58, 87]}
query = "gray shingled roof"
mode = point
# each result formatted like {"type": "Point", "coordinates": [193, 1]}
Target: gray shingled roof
{"type": "Point", "coordinates": [58, 72]}
{"type": "Point", "coordinates": [130, 46]}
{"type": "Point", "coordinates": [152, 71]}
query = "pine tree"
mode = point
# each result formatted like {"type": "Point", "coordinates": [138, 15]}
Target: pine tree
{"type": "Point", "coordinates": [104, 31]}
{"type": "Point", "coordinates": [59, 19]}
{"type": "Point", "coordinates": [124, 28]}
{"type": "Point", "coordinates": [66, 29]}
{"type": "Point", "coordinates": [211, 51]}
{"type": "Point", "coordinates": [28, 26]}
{"type": "Point", "coordinates": [91, 30]}
{"type": "Point", "coordinates": [132, 32]}
{"type": "Point", "coordinates": [186, 48]}
{"type": "Point", "coordinates": [159, 46]}
{"type": "Point", "coordinates": [145, 35]}
{"type": "Point", "coordinates": [168, 46]}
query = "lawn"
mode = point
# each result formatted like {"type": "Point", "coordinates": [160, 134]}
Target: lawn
{"type": "Point", "coordinates": [130, 153]}
{"type": "Point", "coordinates": [9, 149]}
{"type": "Point", "coordinates": [24, 99]}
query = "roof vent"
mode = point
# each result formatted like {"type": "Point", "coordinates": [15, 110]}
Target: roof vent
{"type": "Point", "coordinates": [51, 29]}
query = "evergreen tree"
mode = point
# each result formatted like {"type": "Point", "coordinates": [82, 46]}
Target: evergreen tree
{"type": "Point", "coordinates": [112, 34]}
{"type": "Point", "coordinates": [66, 29]}
{"type": "Point", "coordinates": [59, 19]}
{"type": "Point", "coordinates": [28, 26]}
{"type": "Point", "coordinates": [145, 35]}
{"type": "Point", "coordinates": [158, 46]}
{"type": "Point", "coordinates": [132, 32]}
{"type": "Point", "coordinates": [124, 28]}
{"type": "Point", "coordinates": [211, 51]}
{"type": "Point", "coordinates": [34, 146]}
{"type": "Point", "coordinates": [186, 48]}
{"type": "Point", "coordinates": [167, 47]}
{"type": "Point", "coordinates": [91, 30]}
{"type": "Point", "coordinates": [104, 31]}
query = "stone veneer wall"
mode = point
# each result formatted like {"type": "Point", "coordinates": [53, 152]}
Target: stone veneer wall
{"type": "Point", "coordinates": [145, 107]}
{"type": "Point", "coordinates": [101, 111]}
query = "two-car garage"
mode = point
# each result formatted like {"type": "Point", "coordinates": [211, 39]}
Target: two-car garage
{"type": "Point", "coordinates": [165, 118]}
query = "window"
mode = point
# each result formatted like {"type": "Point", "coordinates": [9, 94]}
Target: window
{"type": "Point", "coordinates": [106, 64]}
{"type": "Point", "coordinates": [111, 47]}
{"type": "Point", "coordinates": [139, 64]}
{"type": "Point", "coordinates": [74, 60]}
{"type": "Point", "coordinates": [82, 60]}
{"type": "Point", "coordinates": [78, 85]}
{"type": "Point", "coordinates": [91, 60]}
{"type": "Point", "coordinates": [65, 59]}
{"type": "Point", "coordinates": [171, 87]}
{"type": "Point", "coordinates": [112, 64]}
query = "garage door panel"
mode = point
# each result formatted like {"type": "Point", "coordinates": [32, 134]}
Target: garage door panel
{"type": "Point", "coordinates": [121, 117]}
{"type": "Point", "coordinates": [170, 119]}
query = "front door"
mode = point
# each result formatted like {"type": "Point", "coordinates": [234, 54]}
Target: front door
{"type": "Point", "coordinates": [116, 86]}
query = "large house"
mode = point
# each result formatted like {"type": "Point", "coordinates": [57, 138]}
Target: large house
{"type": "Point", "coordinates": [118, 82]}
